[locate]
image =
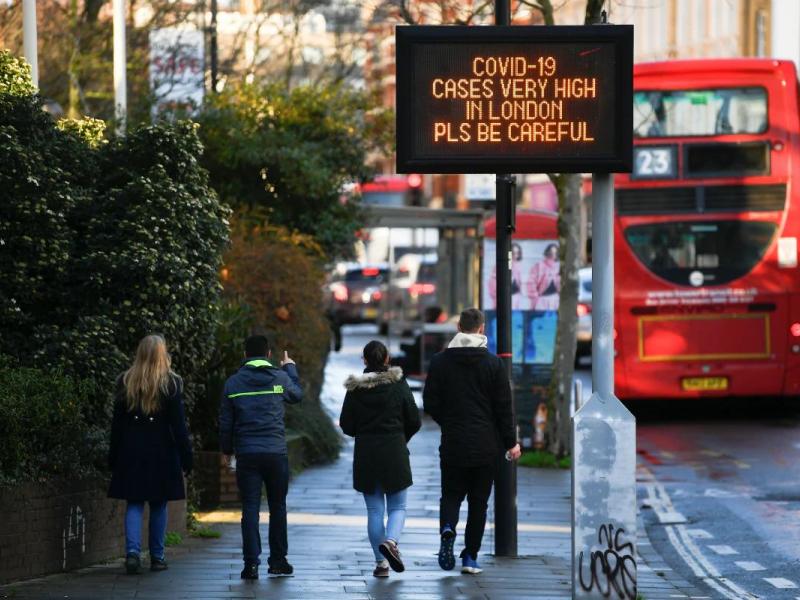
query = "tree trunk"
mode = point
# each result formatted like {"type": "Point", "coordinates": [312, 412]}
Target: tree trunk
{"type": "Point", "coordinates": [569, 213]}
{"type": "Point", "coordinates": [559, 423]}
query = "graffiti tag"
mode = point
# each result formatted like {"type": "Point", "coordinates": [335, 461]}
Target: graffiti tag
{"type": "Point", "coordinates": [612, 570]}
{"type": "Point", "coordinates": [74, 532]}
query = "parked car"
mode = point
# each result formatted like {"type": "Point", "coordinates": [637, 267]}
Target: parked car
{"type": "Point", "coordinates": [584, 329]}
{"type": "Point", "coordinates": [356, 295]}
{"type": "Point", "coordinates": [411, 290]}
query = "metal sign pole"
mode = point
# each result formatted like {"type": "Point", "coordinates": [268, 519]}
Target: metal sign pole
{"type": "Point", "coordinates": [120, 67]}
{"type": "Point", "coordinates": [603, 440]}
{"type": "Point", "coordinates": [603, 285]}
{"type": "Point", "coordinates": [29, 38]}
{"type": "Point", "coordinates": [505, 485]}
{"type": "Point", "coordinates": [213, 49]}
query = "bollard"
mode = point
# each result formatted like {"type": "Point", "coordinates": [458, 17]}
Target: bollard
{"type": "Point", "coordinates": [603, 443]}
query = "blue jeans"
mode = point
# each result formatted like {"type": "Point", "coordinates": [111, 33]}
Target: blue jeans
{"type": "Point", "coordinates": [378, 503]}
{"type": "Point", "coordinates": [252, 472]}
{"type": "Point", "coordinates": [157, 528]}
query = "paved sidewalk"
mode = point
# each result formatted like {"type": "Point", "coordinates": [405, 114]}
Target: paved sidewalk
{"type": "Point", "coordinates": [329, 549]}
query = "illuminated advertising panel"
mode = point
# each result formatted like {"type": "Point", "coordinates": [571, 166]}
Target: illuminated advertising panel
{"type": "Point", "coordinates": [514, 99]}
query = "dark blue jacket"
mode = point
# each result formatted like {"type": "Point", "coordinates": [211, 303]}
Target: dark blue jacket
{"type": "Point", "coordinates": [251, 413]}
{"type": "Point", "coordinates": [148, 452]}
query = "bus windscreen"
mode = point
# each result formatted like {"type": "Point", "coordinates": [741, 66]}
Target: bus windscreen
{"type": "Point", "coordinates": [704, 112]}
{"type": "Point", "coordinates": [696, 253]}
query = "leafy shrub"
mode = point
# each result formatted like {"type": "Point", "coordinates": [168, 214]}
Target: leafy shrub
{"type": "Point", "coordinates": [279, 275]}
{"type": "Point", "coordinates": [173, 538]}
{"type": "Point", "coordinates": [103, 243]}
{"type": "Point", "coordinates": [15, 76]}
{"type": "Point", "coordinates": [235, 321]}
{"type": "Point", "coordinates": [92, 131]}
{"type": "Point", "coordinates": [43, 432]}
{"type": "Point", "coordinates": [149, 254]}
{"type": "Point", "coordinates": [291, 152]}
{"type": "Point", "coordinates": [540, 459]}
{"type": "Point", "coordinates": [206, 533]}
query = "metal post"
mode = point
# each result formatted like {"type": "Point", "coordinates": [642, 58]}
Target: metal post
{"type": "Point", "coordinates": [120, 65]}
{"type": "Point", "coordinates": [502, 12]}
{"type": "Point", "coordinates": [213, 47]}
{"type": "Point", "coordinates": [603, 437]}
{"type": "Point", "coordinates": [30, 39]}
{"type": "Point", "coordinates": [603, 285]}
{"type": "Point", "coordinates": [505, 485]}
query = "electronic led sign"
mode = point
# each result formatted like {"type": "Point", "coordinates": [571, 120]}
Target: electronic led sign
{"type": "Point", "coordinates": [514, 99]}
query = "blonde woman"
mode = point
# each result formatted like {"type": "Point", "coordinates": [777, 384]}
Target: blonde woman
{"type": "Point", "coordinates": [149, 448]}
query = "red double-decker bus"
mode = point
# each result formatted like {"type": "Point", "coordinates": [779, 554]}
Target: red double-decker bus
{"type": "Point", "coordinates": [707, 281]}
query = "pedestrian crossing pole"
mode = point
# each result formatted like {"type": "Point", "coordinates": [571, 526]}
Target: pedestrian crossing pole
{"type": "Point", "coordinates": [505, 486]}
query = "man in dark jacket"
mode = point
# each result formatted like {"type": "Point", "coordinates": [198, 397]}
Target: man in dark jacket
{"type": "Point", "coordinates": [251, 425]}
{"type": "Point", "coordinates": [468, 394]}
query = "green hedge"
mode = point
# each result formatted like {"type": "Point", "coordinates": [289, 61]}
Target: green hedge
{"type": "Point", "coordinates": [43, 432]}
{"type": "Point", "coordinates": [102, 243]}
{"type": "Point", "coordinates": [235, 321]}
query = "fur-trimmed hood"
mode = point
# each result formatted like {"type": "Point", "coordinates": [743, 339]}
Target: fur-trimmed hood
{"type": "Point", "coordinates": [368, 381]}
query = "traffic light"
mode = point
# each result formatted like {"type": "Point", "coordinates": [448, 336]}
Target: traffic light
{"type": "Point", "coordinates": [415, 189]}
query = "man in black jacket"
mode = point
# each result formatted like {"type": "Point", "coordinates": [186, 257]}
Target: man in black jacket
{"type": "Point", "coordinates": [468, 394]}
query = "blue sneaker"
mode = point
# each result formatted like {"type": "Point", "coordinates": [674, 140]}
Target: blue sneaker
{"type": "Point", "coordinates": [447, 560]}
{"type": "Point", "coordinates": [470, 565]}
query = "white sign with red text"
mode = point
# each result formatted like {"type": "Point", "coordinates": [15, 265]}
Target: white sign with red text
{"type": "Point", "coordinates": [177, 71]}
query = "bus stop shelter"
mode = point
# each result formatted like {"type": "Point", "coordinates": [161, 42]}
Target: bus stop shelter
{"type": "Point", "coordinates": [458, 253]}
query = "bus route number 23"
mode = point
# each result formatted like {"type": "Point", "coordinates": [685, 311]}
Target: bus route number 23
{"type": "Point", "coordinates": [654, 162]}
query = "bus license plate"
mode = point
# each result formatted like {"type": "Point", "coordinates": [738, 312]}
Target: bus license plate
{"type": "Point", "coordinates": [699, 384]}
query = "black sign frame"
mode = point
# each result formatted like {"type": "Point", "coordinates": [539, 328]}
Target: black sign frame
{"type": "Point", "coordinates": [621, 161]}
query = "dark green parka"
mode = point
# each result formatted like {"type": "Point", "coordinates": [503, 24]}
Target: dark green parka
{"type": "Point", "coordinates": [380, 413]}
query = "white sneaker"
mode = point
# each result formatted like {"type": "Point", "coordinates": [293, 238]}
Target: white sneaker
{"type": "Point", "coordinates": [470, 565]}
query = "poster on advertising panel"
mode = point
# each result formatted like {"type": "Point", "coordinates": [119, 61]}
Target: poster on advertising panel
{"type": "Point", "coordinates": [535, 290]}
{"type": "Point", "coordinates": [177, 70]}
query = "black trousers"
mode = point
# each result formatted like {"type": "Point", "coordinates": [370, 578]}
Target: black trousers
{"type": "Point", "coordinates": [474, 483]}
{"type": "Point", "coordinates": [254, 471]}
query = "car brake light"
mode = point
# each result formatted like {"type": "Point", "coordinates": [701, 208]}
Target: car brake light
{"type": "Point", "coordinates": [421, 289]}
{"type": "Point", "coordinates": [376, 295]}
{"type": "Point", "coordinates": [339, 292]}
{"type": "Point", "coordinates": [370, 272]}
{"type": "Point", "coordinates": [795, 329]}
{"type": "Point", "coordinates": [584, 309]}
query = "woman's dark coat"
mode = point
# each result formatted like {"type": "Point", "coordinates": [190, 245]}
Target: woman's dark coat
{"type": "Point", "coordinates": [149, 452]}
{"type": "Point", "coordinates": [380, 412]}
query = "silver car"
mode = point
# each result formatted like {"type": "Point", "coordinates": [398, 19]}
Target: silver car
{"type": "Point", "coordinates": [584, 329]}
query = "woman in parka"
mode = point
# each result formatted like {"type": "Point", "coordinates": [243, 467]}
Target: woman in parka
{"type": "Point", "coordinates": [149, 448]}
{"type": "Point", "coordinates": [379, 411]}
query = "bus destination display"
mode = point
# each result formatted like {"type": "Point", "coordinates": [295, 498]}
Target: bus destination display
{"type": "Point", "coordinates": [519, 99]}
